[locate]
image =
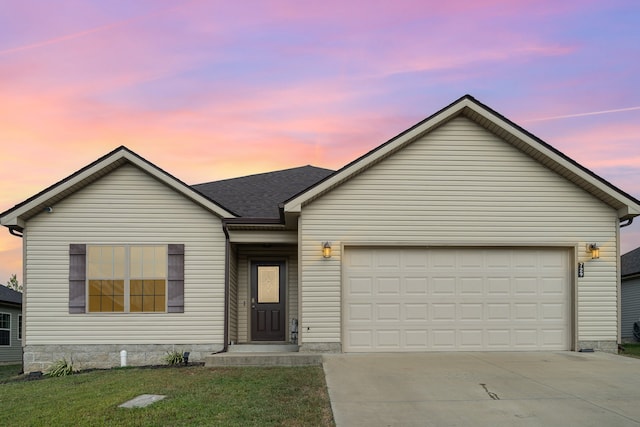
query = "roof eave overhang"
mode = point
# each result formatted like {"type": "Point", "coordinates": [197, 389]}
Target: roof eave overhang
{"type": "Point", "coordinates": [625, 205]}
{"type": "Point", "coordinates": [17, 216]}
{"type": "Point", "coordinates": [11, 304]}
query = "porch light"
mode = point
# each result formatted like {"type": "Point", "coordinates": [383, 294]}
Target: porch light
{"type": "Point", "coordinates": [594, 249]}
{"type": "Point", "coordinates": [326, 250]}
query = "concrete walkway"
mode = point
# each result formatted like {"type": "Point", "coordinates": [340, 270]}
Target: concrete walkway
{"type": "Point", "coordinates": [484, 389]}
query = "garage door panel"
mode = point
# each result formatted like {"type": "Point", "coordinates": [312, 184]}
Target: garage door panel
{"type": "Point", "coordinates": [360, 312]}
{"type": "Point", "coordinates": [456, 299]}
{"type": "Point", "coordinates": [416, 339]}
{"type": "Point", "coordinates": [471, 312]}
{"type": "Point", "coordinates": [443, 285]}
{"type": "Point", "coordinates": [471, 286]}
{"type": "Point", "coordinates": [387, 286]}
{"type": "Point", "coordinates": [498, 339]}
{"type": "Point", "coordinates": [388, 339]}
{"type": "Point", "coordinates": [416, 312]}
{"type": "Point", "coordinates": [360, 286]}
{"type": "Point", "coordinates": [498, 286]}
{"type": "Point", "coordinates": [552, 337]}
{"type": "Point", "coordinates": [443, 312]}
{"type": "Point", "coordinates": [553, 286]}
{"type": "Point", "coordinates": [388, 312]}
{"type": "Point", "coordinates": [360, 339]}
{"type": "Point", "coordinates": [444, 339]}
{"type": "Point", "coordinates": [498, 312]}
{"type": "Point", "coordinates": [471, 339]}
{"type": "Point", "coordinates": [415, 286]}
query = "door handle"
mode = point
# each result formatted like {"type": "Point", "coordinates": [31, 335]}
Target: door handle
{"type": "Point", "coordinates": [253, 303]}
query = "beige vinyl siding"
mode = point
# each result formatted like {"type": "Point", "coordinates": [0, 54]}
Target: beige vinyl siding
{"type": "Point", "coordinates": [13, 352]}
{"type": "Point", "coordinates": [233, 295]}
{"type": "Point", "coordinates": [459, 185]}
{"type": "Point", "coordinates": [126, 206]}
{"type": "Point", "coordinates": [248, 253]}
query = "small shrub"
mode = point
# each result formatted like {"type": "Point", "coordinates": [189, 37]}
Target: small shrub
{"type": "Point", "coordinates": [61, 368]}
{"type": "Point", "coordinates": [174, 357]}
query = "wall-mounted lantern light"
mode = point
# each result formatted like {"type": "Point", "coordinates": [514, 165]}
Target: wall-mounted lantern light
{"type": "Point", "coordinates": [326, 250]}
{"type": "Point", "coordinates": [594, 250]}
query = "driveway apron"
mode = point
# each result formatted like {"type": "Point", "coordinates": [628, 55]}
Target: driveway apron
{"type": "Point", "coordinates": [484, 389]}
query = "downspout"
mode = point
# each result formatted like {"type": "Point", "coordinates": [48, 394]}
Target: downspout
{"type": "Point", "coordinates": [629, 222]}
{"type": "Point", "coordinates": [13, 231]}
{"type": "Point", "coordinates": [227, 270]}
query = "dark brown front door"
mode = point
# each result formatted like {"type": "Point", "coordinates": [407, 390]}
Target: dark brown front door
{"type": "Point", "coordinates": [267, 301]}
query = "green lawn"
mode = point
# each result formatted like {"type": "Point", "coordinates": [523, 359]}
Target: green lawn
{"type": "Point", "coordinates": [631, 350]}
{"type": "Point", "coordinates": [9, 371]}
{"type": "Point", "coordinates": [196, 396]}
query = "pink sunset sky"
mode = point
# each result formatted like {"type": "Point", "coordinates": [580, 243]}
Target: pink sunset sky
{"type": "Point", "coordinates": [217, 89]}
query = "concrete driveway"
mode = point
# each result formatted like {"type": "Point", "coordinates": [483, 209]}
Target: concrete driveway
{"type": "Point", "coordinates": [484, 389]}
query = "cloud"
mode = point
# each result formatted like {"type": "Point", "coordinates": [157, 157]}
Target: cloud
{"type": "Point", "coordinates": [592, 113]}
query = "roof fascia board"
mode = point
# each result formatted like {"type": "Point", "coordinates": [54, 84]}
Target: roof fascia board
{"type": "Point", "coordinates": [12, 216]}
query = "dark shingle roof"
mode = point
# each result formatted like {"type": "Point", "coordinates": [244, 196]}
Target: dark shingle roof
{"type": "Point", "coordinates": [630, 262]}
{"type": "Point", "coordinates": [258, 196]}
{"type": "Point", "coordinates": [10, 296]}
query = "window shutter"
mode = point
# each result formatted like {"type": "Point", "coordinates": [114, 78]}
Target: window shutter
{"type": "Point", "coordinates": [175, 279]}
{"type": "Point", "coordinates": [77, 278]}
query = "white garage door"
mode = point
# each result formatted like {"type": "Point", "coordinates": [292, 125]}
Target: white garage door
{"type": "Point", "coordinates": [455, 299]}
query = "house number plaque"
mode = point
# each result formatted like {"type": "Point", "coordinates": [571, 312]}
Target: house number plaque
{"type": "Point", "coordinates": [581, 269]}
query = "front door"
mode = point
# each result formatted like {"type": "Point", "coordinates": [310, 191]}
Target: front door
{"type": "Point", "coordinates": [267, 301]}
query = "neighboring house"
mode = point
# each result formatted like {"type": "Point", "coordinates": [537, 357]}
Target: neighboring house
{"type": "Point", "coordinates": [464, 232]}
{"type": "Point", "coordinates": [630, 295]}
{"type": "Point", "coordinates": [10, 325]}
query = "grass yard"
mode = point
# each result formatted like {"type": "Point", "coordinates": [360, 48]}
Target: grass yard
{"type": "Point", "coordinates": [631, 350]}
{"type": "Point", "coordinates": [9, 371]}
{"type": "Point", "coordinates": [196, 396]}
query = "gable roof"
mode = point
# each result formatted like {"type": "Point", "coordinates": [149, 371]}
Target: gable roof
{"type": "Point", "coordinates": [10, 296]}
{"type": "Point", "coordinates": [467, 106]}
{"type": "Point", "coordinates": [258, 196]}
{"type": "Point", "coordinates": [630, 263]}
{"type": "Point", "coordinates": [15, 217]}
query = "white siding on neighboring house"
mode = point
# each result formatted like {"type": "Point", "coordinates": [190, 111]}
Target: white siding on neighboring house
{"type": "Point", "coordinates": [462, 186]}
{"type": "Point", "coordinates": [630, 307]}
{"type": "Point", "coordinates": [249, 253]}
{"type": "Point", "coordinates": [126, 206]}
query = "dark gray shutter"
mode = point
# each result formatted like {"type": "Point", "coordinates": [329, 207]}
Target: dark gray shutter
{"type": "Point", "coordinates": [77, 278]}
{"type": "Point", "coordinates": [175, 279]}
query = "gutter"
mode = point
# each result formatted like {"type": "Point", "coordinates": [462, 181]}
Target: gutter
{"type": "Point", "coordinates": [227, 271]}
{"type": "Point", "coordinates": [629, 222]}
{"type": "Point", "coordinates": [14, 231]}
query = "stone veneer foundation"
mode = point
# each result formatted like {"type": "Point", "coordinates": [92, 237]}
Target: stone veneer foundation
{"type": "Point", "coordinates": [321, 347]}
{"type": "Point", "coordinates": [604, 346]}
{"type": "Point", "coordinates": [41, 357]}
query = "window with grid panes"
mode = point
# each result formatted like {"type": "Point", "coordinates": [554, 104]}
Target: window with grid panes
{"type": "Point", "coordinates": [126, 278]}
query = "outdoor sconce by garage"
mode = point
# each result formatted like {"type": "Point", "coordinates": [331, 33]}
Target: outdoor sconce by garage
{"type": "Point", "coordinates": [326, 250]}
{"type": "Point", "coordinates": [594, 250]}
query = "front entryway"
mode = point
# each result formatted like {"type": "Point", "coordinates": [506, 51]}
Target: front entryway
{"type": "Point", "coordinates": [268, 301]}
